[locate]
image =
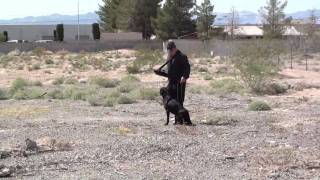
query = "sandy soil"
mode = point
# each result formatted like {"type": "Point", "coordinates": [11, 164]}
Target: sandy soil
{"type": "Point", "coordinates": [131, 141]}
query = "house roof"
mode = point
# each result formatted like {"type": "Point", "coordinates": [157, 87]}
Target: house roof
{"type": "Point", "coordinates": [245, 31]}
{"type": "Point", "coordinates": [291, 31]}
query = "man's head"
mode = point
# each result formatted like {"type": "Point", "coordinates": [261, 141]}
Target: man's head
{"type": "Point", "coordinates": [171, 48]}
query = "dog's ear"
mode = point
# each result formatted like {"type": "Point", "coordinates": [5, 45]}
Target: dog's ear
{"type": "Point", "coordinates": [163, 91]}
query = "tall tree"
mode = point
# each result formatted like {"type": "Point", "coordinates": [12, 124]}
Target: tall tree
{"type": "Point", "coordinates": [233, 21]}
{"type": "Point", "coordinates": [174, 19]}
{"type": "Point", "coordinates": [125, 15]}
{"type": "Point", "coordinates": [144, 11]}
{"type": "Point", "coordinates": [108, 14]}
{"type": "Point", "coordinates": [205, 19]}
{"type": "Point", "coordinates": [273, 16]}
{"type": "Point", "coordinates": [312, 24]}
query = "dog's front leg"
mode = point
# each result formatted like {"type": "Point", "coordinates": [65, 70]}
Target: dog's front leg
{"type": "Point", "coordinates": [168, 118]}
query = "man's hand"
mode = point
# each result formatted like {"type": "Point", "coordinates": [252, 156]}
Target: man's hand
{"type": "Point", "coordinates": [183, 81]}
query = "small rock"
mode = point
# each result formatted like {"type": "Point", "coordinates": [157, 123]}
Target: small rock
{"type": "Point", "coordinates": [83, 81]}
{"type": "Point", "coordinates": [273, 143]}
{"type": "Point", "coordinates": [5, 171]}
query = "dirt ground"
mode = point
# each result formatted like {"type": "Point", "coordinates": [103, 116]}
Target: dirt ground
{"type": "Point", "coordinates": [131, 141]}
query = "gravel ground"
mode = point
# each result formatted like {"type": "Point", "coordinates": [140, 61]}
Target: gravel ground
{"type": "Point", "coordinates": [131, 141]}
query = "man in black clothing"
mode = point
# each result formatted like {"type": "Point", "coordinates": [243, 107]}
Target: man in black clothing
{"type": "Point", "coordinates": [178, 72]}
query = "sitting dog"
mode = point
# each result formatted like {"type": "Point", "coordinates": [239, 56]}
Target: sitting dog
{"type": "Point", "coordinates": [173, 106]}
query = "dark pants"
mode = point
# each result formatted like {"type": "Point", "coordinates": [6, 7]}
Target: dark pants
{"type": "Point", "coordinates": [177, 91]}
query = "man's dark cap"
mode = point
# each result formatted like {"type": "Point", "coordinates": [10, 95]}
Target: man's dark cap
{"type": "Point", "coordinates": [171, 45]}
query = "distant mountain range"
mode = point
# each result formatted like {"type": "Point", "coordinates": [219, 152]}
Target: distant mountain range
{"type": "Point", "coordinates": [245, 17]}
{"type": "Point", "coordinates": [87, 18]}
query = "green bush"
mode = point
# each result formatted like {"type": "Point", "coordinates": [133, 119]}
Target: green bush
{"type": "Point", "coordinates": [207, 77]}
{"type": "Point", "coordinates": [133, 69]}
{"type": "Point", "coordinates": [58, 81]}
{"type": "Point", "coordinates": [75, 93]}
{"type": "Point", "coordinates": [125, 100]}
{"type": "Point", "coordinates": [70, 80]}
{"type": "Point", "coordinates": [130, 78]}
{"type": "Point", "coordinates": [18, 84]}
{"type": "Point", "coordinates": [2, 38]}
{"type": "Point", "coordinates": [259, 106]}
{"type": "Point", "coordinates": [126, 87]}
{"type": "Point", "coordinates": [95, 100]}
{"type": "Point", "coordinates": [104, 82]}
{"type": "Point", "coordinates": [3, 94]}
{"type": "Point", "coordinates": [203, 69]}
{"type": "Point", "coordinates": [96, 31]}
{"type": "Point", "coordinates": [196, 89]}
{"type": "Point", "coordinates": [28, 94]}
{"type": "Point", "coordinates": [60, 32]}
{"type": "Point", "coordinates": [275, 89]}
{"type": "Point", "coordinates": [35, 67]}
{"type": "Point", "coordinates": [35, 83]}
{"type": "Point", "coordinates": [148, 93]}
{"type": "Point", "coordinates": [256, 64]}
{"type": "Point", "coordinates": [145, 57]}
{"type": "Point", "coordinates": [55, 94]}
{"type": "Point", "coordinates": [39, 51]}
{"type": "Point", "coordinates": [225, 86]}
{"type": "Point", "coordinates": [109, 102]}
{"type": "Point", "coordinates": [48, 61]}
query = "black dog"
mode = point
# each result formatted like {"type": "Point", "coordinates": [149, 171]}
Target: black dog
{"type": "Point", "coordinates": [173, 106]}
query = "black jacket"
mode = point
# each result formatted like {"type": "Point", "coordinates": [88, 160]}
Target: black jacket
{"type": "Point", "coordinates": [178, 67]}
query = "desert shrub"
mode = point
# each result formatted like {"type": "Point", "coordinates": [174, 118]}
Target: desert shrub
{"type": "Point", "coordinates": [125, 100]}
{"type": "Point", "coordinates": [114, 93]}
{"type": "Point", "coordinates": [28, 93]}
{"type": "Point", "coordinates": [3, 94]}
{"type": "Point", "coordinates": [95, 100]}
{"type": "Point", "coordinates": [109, 102]}
{"type": "Point", "coordinates": [259, 106]}
{"type": "Point", "coordinates": [133, 69]}
{"type": "Point", "coordinates": [55, 94]}
{"type": "Point", "coordinates": [225, 86]}
{"type": "Point", "coordinates": [275, 88]}
{"type": "Point", "coordinates": [70, 80]}
{"type": "Point", "coordinates": [103, 82]}
{"type": "Point", "coordinates": [203, 69]}
{"type": "Point", "coordinates": [196, 89]}
{"type": "Point", "coordinates": [148, 93]}
{"type": "Point", "coordinates": [39, 51]}
{"type": "Point", "coordinates": [220, 119]}
{"type": "Point", "coordinates": [58, 81]}
{"type": "Point", "coordinates": [96, 31]}
{"type": "Point", "coordinates": [145, 58]}
{"type": "Point", "coordinates": [207, 77]}
{"type": "Point", "coordinates": [75, 93]}
{"type": "Point", "coordinates": [35, 83]}
{"type": "Point", "coordinates": [2, 38]}
{"type": "Point", "coordinates": [48, 61]}
{"type": "Point", "coordinates": [130, 78]}
{"type": "Point", "coordinates": [35, 67]}
{"type": "Point", "coordinates": [256, 64]}
{"type": "Point", "coordinates": [126, 87]}
{"type": "Point", "coordinates": [17, 85]}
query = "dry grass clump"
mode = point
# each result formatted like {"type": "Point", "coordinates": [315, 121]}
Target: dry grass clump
{"type": "Point", "coordinates": [259, 106]}
{"type": "Point", "coordinates": [104, 82]}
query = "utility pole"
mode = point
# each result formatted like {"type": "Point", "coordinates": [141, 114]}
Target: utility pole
{"type": "Point", "coordinates": [78, 20]}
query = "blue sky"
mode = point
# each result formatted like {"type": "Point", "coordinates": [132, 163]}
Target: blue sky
{"type": "Point", "coordinates": [22, 8]}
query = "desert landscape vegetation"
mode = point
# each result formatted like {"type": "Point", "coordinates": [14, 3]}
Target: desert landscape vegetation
{"type": "Point", "coordinates": [99, 115]}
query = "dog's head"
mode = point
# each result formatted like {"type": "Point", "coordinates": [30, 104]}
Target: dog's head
{"type": "Point", "coordinates": [164, 92]}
